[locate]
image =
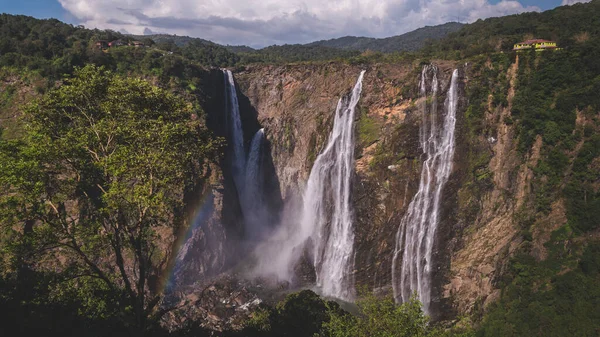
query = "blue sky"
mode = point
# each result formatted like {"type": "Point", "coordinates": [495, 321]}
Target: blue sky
{"type": "Point", "coordinates": [37, 8]}
{"type": "Point", "coordinates": [543, 4]}
{"type": "Point", "coordinates": [264, 22]}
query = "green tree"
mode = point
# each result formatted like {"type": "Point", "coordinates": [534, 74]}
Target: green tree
{"type": "Point", "coordinates": [300, 314]}
{"type": "Point", "coordinates": [104, 164]}
{"type": "Point", "coordinates": [382, 317]}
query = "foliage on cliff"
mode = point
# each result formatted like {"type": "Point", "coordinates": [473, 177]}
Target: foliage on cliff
{"type": "Point", "coordinates": [305, 314]}
{"type": "Point", "coordinates": [90, 193]}
{"type": "Point", "coordinates": [552, 293]}
{"type": "Point", "coordinates": [36, 54]}
{"type": "Point", "coordinates": [381, 317]}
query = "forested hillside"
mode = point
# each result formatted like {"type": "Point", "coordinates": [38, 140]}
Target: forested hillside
{"type": "Point", "coordinates": [411, 41]}
{"type": "Point", "coordinates": [53, 48]}
{"type": "Point", "coordinates": [567, 25]}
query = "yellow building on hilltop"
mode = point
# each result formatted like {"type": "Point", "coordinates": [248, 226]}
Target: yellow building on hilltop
{"type": "Point", "coordinates": [537, 44]}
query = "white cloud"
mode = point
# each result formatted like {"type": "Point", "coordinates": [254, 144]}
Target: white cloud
{"type": "Point", "coordinates": [264, 22]}
{"type": "Point", "coordinates": [572, 2]}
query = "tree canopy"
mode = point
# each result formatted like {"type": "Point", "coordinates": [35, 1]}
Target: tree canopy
{"type": "Point", "coordinates": [102, 168]}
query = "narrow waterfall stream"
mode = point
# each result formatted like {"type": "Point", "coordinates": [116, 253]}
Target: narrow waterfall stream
{"type": "Point", "coordinates": [246, 169]}
{"type": "Point", "coordinates": [236, 134]}
{"type": "Point", "coordinates": [253, 195]}
{"type": "Point", "coordinates": [323, 226]}
{"type": "Point", "coordinates": [328, 191]}
{"type": "Point", "coordinates": [412, 261]}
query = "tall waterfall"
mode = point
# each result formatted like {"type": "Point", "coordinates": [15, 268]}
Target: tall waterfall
{"type": "Point", "coordinates": [328, 191]}
{"type": "Point", "coordinates": [235, 129]}
{"type": "Point", "coordinates": [246, 170]}
{"type": "Point", "coordinates": [253, 198]}
{"type": "Point", "coordinates": [412, 262]}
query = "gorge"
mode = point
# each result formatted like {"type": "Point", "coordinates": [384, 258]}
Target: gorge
{"type": "Point", "coordinates": [316, 242]}
{"type": "Point", "coordinates": [195, 189]}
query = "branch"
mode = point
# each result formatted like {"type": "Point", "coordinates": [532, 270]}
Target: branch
{"type": "Point", "coordinates": [89, 262]}
{"type": "Point", "coordinates": [94, 153]}
{"type": "Point", "coordinates": [117, 247]}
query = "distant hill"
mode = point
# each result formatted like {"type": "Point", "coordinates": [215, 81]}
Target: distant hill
{"type": "Point", "coordinates": [179, 41]}
{"type": "Point", "coordinates": [410, 41]}
{"type": "Point", "coordinates": [567, 25]}
{"type": "Point", "coordinates": [293, 53]}
{"type": "Point", "coordinates": [240, 49]}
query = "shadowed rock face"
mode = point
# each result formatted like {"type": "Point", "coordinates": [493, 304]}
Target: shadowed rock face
{"type": "Point", "coordinates": [214, 237]}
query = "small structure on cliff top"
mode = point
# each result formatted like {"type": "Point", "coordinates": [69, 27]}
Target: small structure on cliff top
{"type": "Point", "coordinates": [117, 43]}
{"type": "Point", "coordinates": [537, 44]}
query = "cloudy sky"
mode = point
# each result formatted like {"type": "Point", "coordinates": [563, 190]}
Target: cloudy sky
{"type": "Point", "coordinates": [264, 22]}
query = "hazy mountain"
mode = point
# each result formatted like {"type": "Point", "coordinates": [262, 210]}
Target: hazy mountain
{"type": "Point", "coordinates": [410, 41]}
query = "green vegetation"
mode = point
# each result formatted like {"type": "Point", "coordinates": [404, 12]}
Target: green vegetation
{"type": "Point", "coordinates": [577, 23]}
{"type": "Point", "coordinates": [383, 318]}
{"type": "Point", "coordinates": [552, 88]}
{"type": "Point", "coordinates": [300, 314]}
{"type": "Point", "coordinates": [411, 41]}
{"type": "Point", "coordinates": [103, 165]}
{"type": "Point", "coordinates": [295, 53]}
{"type": "Point", "coordinates": [556, 98]}
{"type": "Point", "coordinates": [555, 297]}
{"type": "Point", "coordinates": [52, 48]}
{"type": "Point", "coordinates": [583, 197]}
{"type": "Point", "coordinates": [305, 314]}
{"type": "Point", "coordinates": [368, 129]}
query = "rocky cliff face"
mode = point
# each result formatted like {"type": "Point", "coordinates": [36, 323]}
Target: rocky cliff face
{"type": "Point", "coordinates": [296, 104]}
{"type": "Point", "coordinates": [487, 193]}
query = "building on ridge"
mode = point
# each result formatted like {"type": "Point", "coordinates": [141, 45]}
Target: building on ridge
{"type": "Point", "coordinates": [537, 44]}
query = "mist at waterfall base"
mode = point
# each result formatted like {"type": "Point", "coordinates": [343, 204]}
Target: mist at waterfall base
{"type": "Point", "coordinates": [319, 230]}
{"type": "Point", "coordinates": [248, 182]}
{"type": "Point", "coordinates": [252, 192]}
{"type": "Point", "coordinates": [412, 261]}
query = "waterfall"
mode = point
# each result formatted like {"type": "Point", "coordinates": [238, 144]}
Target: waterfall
{"type": "Point", "coordinates": [324, 226]}
{"type": "Point", "coordinates": [236, 134]}
{"type": "Point", "coordinates": [328, 191]}
{"type": "Point", "coordinates": [412, 261]}
{"type": "Point", "coordinates": [253, 200]}
{"type": "Point", "coordinates": [246, 171]}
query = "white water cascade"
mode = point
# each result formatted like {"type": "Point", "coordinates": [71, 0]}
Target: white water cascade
{"type": "Point", "coordinates": [253, 199]}
{"type": "Point", "coordinates": [412, 261]}
{"type": "Point", "coordinates": [236, 133]}
{"type": "Point", "coordinates": [246, 171]}
{"type": "Point", "coordinates": [327, 212]}
{"type": "Point", "coordinates": [324, 227]}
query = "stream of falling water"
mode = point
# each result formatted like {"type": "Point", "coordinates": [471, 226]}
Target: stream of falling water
{"type": "Point", "coordinates": [327, 211]}
{"type": "Point", "coordinates": [238, 163]}
{"type": "Point", "coordinates": [253, 196]}
{"type": "Point", "coordinates": [246, 171]}
{"type": "Point", "coordinates": [412, 261]}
